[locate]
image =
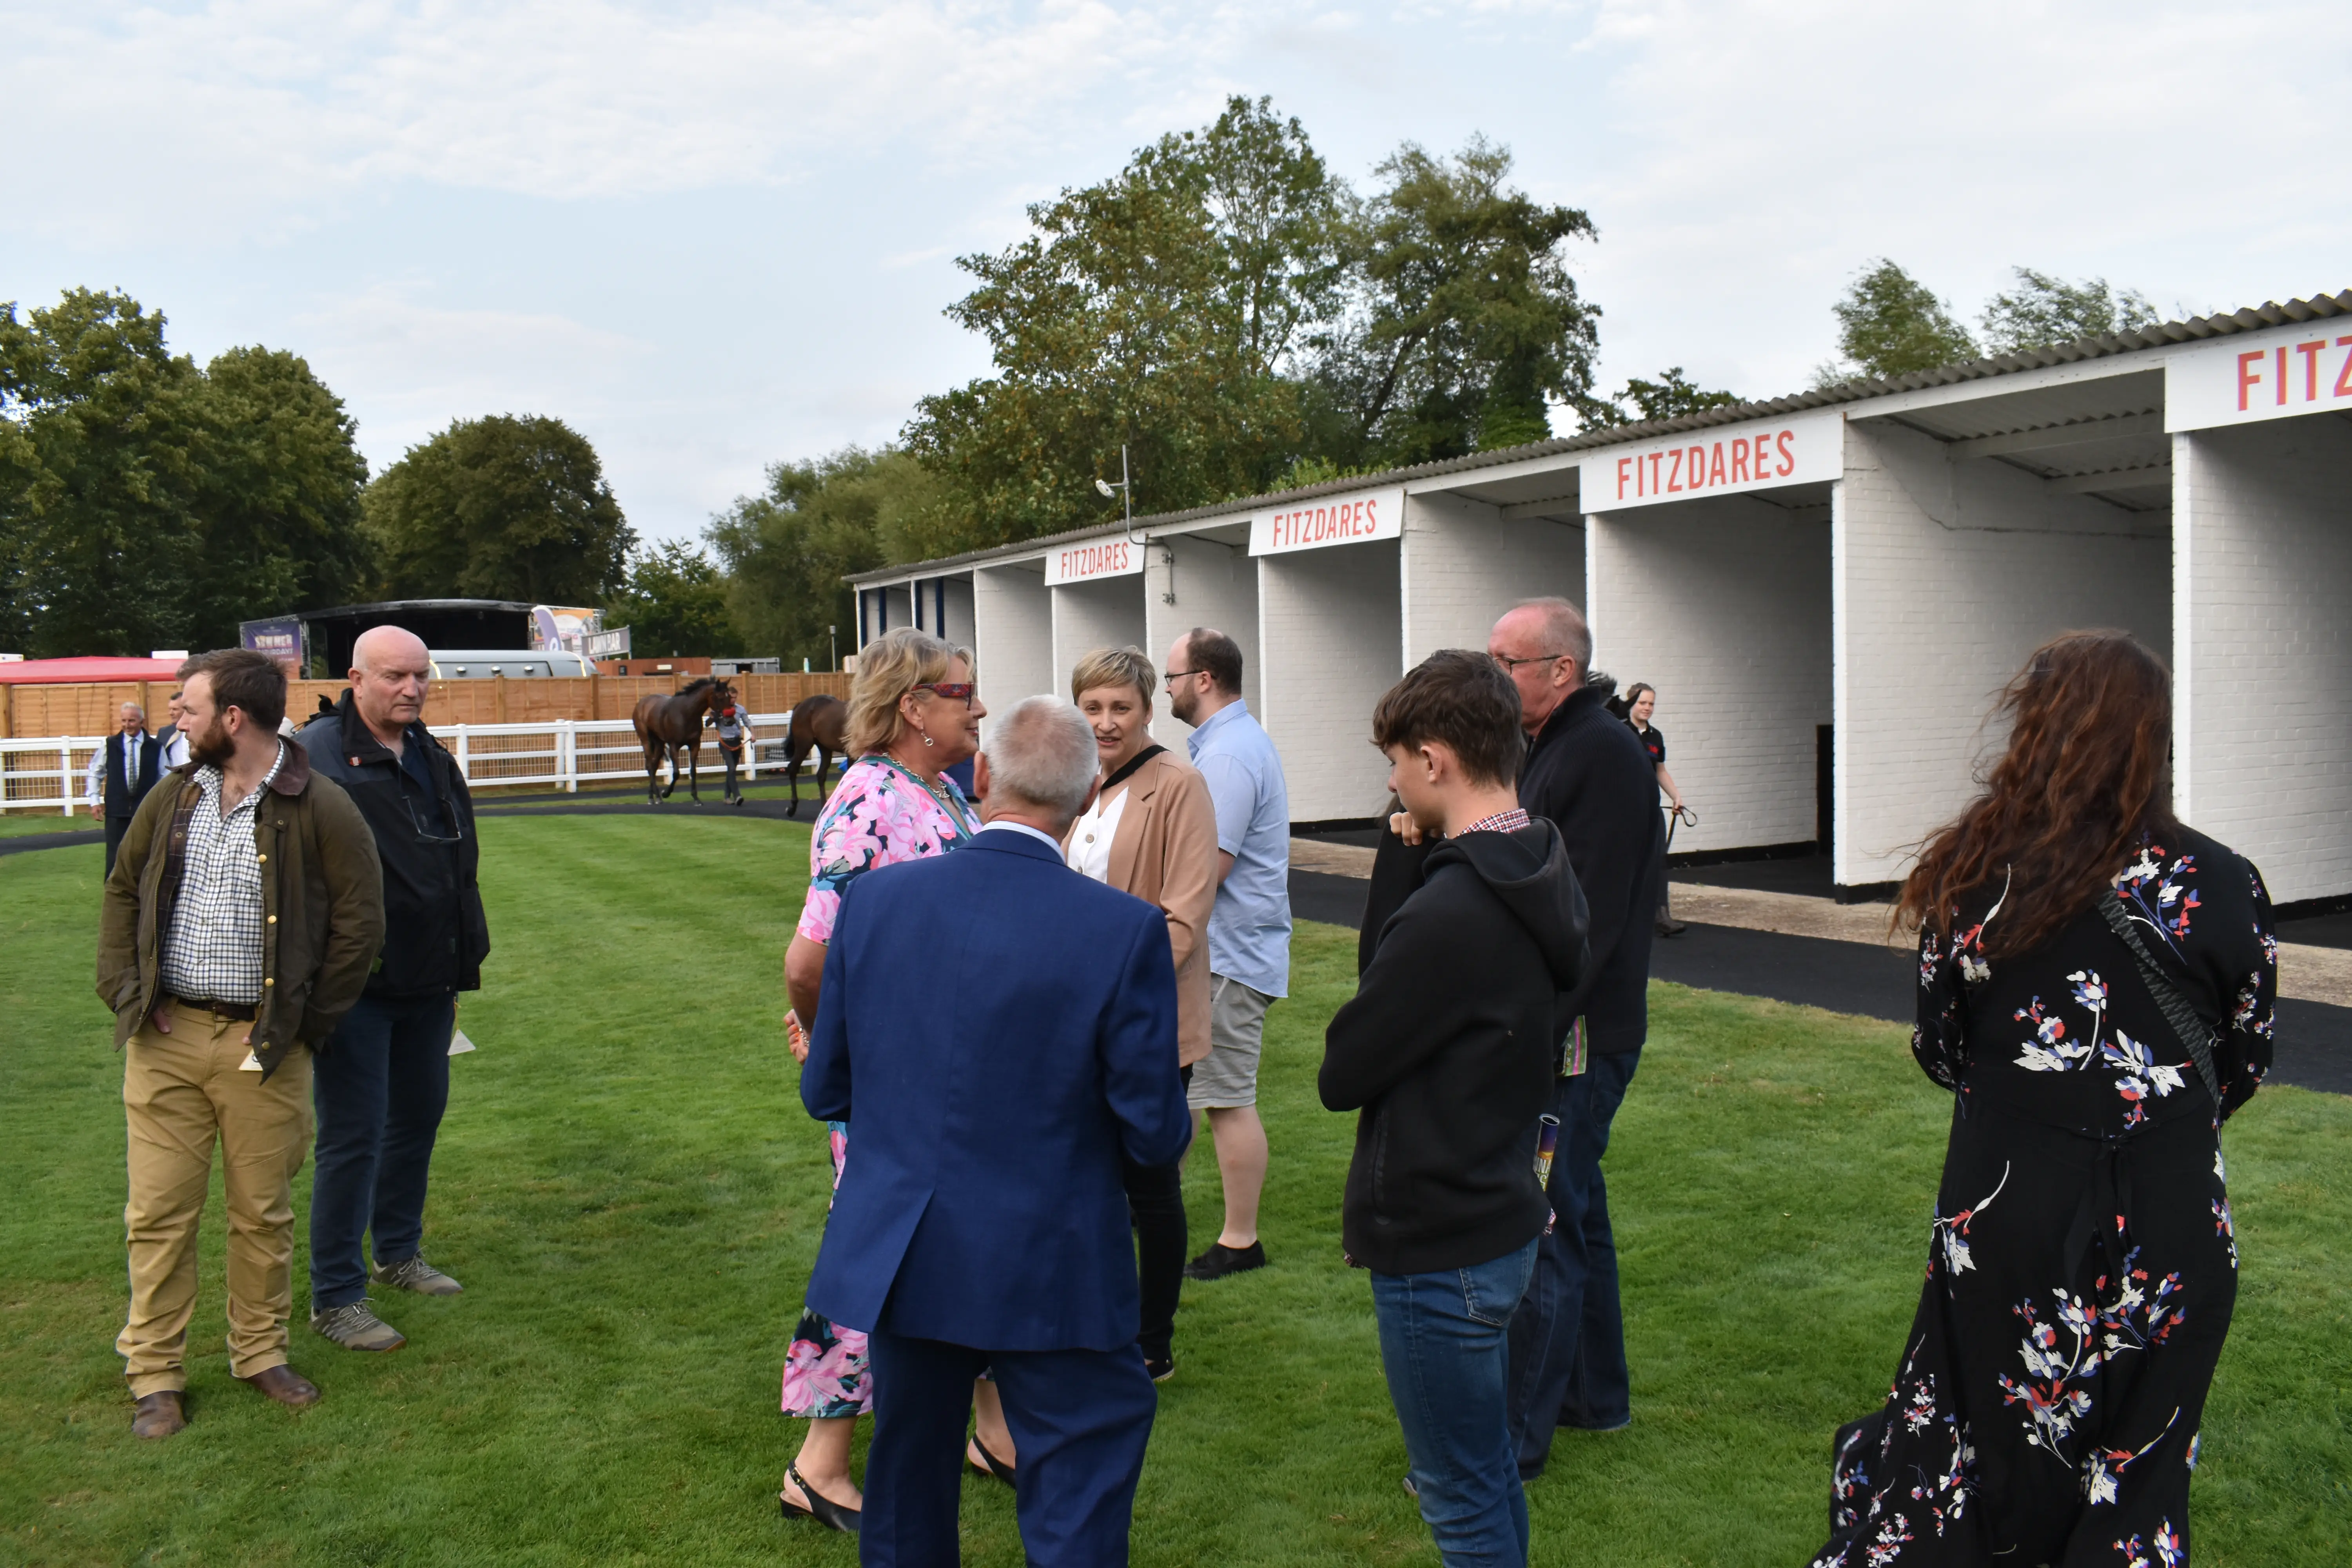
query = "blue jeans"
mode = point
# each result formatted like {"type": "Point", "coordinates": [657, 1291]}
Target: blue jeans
{"type": "Point", "coordinates": [1568, 1342]}
{"type": "Point", "coordinates": [1444, 1342]}
{"type": "Point", "coordinates": [380, 1087]}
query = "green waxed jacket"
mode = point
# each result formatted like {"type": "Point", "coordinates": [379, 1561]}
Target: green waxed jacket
{"type": "Point", "coordinates": [321, 905]}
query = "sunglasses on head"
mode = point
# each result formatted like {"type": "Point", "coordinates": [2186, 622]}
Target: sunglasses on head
{"type": "Point", "coordinates": [953, 690]}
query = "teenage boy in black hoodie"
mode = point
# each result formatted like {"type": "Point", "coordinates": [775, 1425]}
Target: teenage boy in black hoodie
{"type": "Point", "coordinates": [1446, 1053]}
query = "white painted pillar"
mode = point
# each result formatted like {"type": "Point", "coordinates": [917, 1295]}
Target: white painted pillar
{"type": "Point", "coordinates": [1330, 624]}
{"type": "Point", "coordinates": [1213, 585]}
{"type": "Point", "coordinates": [1463, 563]}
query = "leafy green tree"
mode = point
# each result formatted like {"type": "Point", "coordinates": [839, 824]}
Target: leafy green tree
{"type": "Point", "coordinates": [2041, 310]}
{"type": "Point", "coordinates": [1890, 323]}
{"type": "Point", "coordinates": [506, 506]}
{"type": "Point", "coordinates": [279, 495]}
{"type": "Point", "coordinates": [98, 520]}
{"type": "Point", "coordinates": [1157, 309]}
{"type": "Point", "coordinates": [146, 503]}
{"type": "Point", "coordinates": [1670, 397]}
{"type": "Point", "coordinates": [787, 551]}
{"type": "Point", "coordinates": [1465, 323]}
{"type": "Point", "coordinates": [674, 603]}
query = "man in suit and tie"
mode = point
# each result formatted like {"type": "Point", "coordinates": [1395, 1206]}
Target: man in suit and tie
{"type": "Point", "coordinates": [998, 1030]}
{"type": "Point", "coordinates": [121, 772]}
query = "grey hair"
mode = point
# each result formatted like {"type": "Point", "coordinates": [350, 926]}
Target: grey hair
{"type": "Point", "coordinates": [1043, 754]}
{"type": "Point", "coordinates": [1565, 630]}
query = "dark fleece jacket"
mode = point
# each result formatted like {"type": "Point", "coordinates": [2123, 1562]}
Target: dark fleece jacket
{"type": "Point", "coordinates": [1446, 1053]}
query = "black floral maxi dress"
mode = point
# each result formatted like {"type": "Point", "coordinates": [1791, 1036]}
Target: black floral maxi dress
{"type": "Point", "coordinates": [2082, 1265]}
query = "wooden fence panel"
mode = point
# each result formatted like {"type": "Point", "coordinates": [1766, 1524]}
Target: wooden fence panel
{"type": "Point", "coordinates": [89, 708]}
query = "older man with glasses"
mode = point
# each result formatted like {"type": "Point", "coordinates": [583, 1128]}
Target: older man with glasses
{"type": "Point", "coordinates": [383, 1081]}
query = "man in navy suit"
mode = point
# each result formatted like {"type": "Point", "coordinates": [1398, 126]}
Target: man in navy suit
{"type": "Point", "coordinates": [998, 1030]}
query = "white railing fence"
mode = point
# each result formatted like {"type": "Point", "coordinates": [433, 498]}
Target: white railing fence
{"type": "Point", "coordinates": [49, 773]}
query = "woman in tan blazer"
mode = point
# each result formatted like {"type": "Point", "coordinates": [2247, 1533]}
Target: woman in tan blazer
{"type": "Point", "coordinates": [1151, 831]}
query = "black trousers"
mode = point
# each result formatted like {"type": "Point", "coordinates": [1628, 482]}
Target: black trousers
{"type": "Point", "coordinates": [1155, 1201]}
{"type": "Point", "coordinates": [116, 827]}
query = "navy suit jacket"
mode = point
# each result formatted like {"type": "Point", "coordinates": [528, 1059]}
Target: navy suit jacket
{"type": "Point", "coordinates": [997, 1029]}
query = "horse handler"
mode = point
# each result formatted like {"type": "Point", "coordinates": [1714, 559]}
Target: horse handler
{"type": "Point", "coordinates": [384, 1080]}
{"type": "Point", "coordinates": [237, 928]}
{"type": "Point", "coordinates": [735, 734]}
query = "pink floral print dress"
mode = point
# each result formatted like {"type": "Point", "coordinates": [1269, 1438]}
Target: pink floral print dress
{"type": "Point", "coordinates": [879, 815]}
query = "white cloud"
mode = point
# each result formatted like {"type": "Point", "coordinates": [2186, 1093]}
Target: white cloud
{"type": "Point", "coordinates": [714, 232]}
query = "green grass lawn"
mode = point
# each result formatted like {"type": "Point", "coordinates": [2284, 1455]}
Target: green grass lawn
{"type": "Point", "coordinates": [13, 823]}
{"type": "Point", "coordinates": [629, 1189]}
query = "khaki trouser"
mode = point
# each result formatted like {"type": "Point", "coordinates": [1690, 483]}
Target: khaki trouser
{"type": "Point", "coordinates": [178, 1091]}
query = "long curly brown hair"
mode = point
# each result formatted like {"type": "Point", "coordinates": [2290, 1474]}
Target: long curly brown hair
{"type": "Point", "coordinates": [2087, 771]}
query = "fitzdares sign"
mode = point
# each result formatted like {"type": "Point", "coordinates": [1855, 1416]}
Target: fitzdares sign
{"type": "Point", "coordinates": [1759, 454]}
{"type": "Point", "coordinates": [1116, 557]}
{"type": "Point", "coordinates": [1327, 521]}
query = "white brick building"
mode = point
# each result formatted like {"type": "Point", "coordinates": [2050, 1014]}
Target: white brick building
{"type": "Point", "coordinates": [1827, 589]}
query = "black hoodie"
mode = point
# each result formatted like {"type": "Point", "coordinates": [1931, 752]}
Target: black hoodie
{"type": "Point", "coordinates": [1446, 1052]}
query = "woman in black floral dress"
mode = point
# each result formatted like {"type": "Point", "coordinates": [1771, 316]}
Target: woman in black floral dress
{"type": "Point", "coordinates": [2082, 1265]}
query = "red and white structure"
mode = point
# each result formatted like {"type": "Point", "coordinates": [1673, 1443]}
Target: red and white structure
{"type": "Point", "coordinates": [1826, 589]}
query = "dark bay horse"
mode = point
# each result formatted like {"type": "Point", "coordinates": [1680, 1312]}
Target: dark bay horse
{"type": "Point", "coordinates": [666, 725]}
{"type": "Point", "coordinates": [817, 725]}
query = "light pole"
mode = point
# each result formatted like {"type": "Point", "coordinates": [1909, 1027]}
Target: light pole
{"type": "Point", "coordinates": [1124, 490]}
{"type": "Point", "coordinates": [832, 639]}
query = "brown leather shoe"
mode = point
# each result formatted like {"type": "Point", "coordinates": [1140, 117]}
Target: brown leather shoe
{"type": "Point", "coordinates": [284, 1385]}
{"type": "Point", "coordinates": [159, 1414]}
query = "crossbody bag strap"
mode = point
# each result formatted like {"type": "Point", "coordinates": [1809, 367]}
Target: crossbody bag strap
{"type": "Point", "coordinates": [2195, 1035]}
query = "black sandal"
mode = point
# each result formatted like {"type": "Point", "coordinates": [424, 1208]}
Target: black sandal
{"type": "Point", "coordinates": [995, 1467]}
{"type": "Point", "coordinates": [822, 1509]}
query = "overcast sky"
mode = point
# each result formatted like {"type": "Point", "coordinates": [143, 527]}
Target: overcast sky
{"type": "Point", "coordinates": [714, 234]}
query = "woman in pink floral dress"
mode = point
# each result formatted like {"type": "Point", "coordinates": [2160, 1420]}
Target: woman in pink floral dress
{"type": "Point", "coordinates": [913, 713]}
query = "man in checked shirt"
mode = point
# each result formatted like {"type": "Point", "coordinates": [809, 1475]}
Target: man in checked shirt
{"type": "Point", "coordinates": [242, 916]}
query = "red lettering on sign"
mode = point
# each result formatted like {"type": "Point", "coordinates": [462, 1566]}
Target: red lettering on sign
{"type": "Point", "coordinates": [2343, 382]}
{"type": "Point", "coordinates": [1657, 460]}
{"type": "Point", "coordinates": [2311, 352]}
{"type": "Point", "coordinates": [1787, 457]}
{"type": "Point", "coordinates": [2248, 377]}
{"type": "Point", "coordinates": [2282, 375]}
{"type": "Point", "coordinates": [1715, 467]}
{"type": "Point", "coordinates": [1625, 463]}
{"type": "Point", "coordinates": [1674, 480]}
{"type": "Point", "coordinates": [1740, 461]}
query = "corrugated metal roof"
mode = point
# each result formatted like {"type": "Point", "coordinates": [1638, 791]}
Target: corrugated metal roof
{"type": "Point", "coordinates": [2252, 320]}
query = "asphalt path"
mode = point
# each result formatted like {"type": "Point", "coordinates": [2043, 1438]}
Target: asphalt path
{"type": "Point", "coordinates": [2314, 1040]}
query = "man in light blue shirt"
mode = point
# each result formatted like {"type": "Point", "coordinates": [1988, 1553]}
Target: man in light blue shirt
{"type": "Point", "coordinates": [1249, 926]}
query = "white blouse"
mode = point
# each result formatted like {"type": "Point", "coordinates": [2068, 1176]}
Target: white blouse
{"type": "Point", "coordinates": [1091, 835]}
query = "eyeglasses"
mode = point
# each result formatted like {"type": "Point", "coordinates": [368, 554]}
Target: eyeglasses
{"type": "Point", "coordinates": [953, 690]}
{"type": "Point", "coordinates": [1180, 674]}
{"type": "Point", "coordinates": [425, 835]}
{"type": "Point", "coordinates": [1509, 665]}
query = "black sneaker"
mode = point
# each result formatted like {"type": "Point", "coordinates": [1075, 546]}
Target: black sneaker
{"type": "Point", "coordinates": [1161, 1368]}
{"type": "Point", "coordinates": [1220, 1260]}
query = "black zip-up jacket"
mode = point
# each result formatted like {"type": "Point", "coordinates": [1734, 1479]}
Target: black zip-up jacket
{"type": "Point", "coordinates": [1587, 773]}
{"type": "Point", "coordinates": [1446, 1053]}
{"type": "Point", "coordinates": [1587, 776]}
{"type": "Point", "coordinates": [436, 935]}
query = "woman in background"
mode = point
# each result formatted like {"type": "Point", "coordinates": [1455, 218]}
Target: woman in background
{"type": "Point", "coordinates": [1640, 702]}
{"type": "Point", "coordinates": [2096, 985]}
{"type": "Point", "coordinates": [913, 713]}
